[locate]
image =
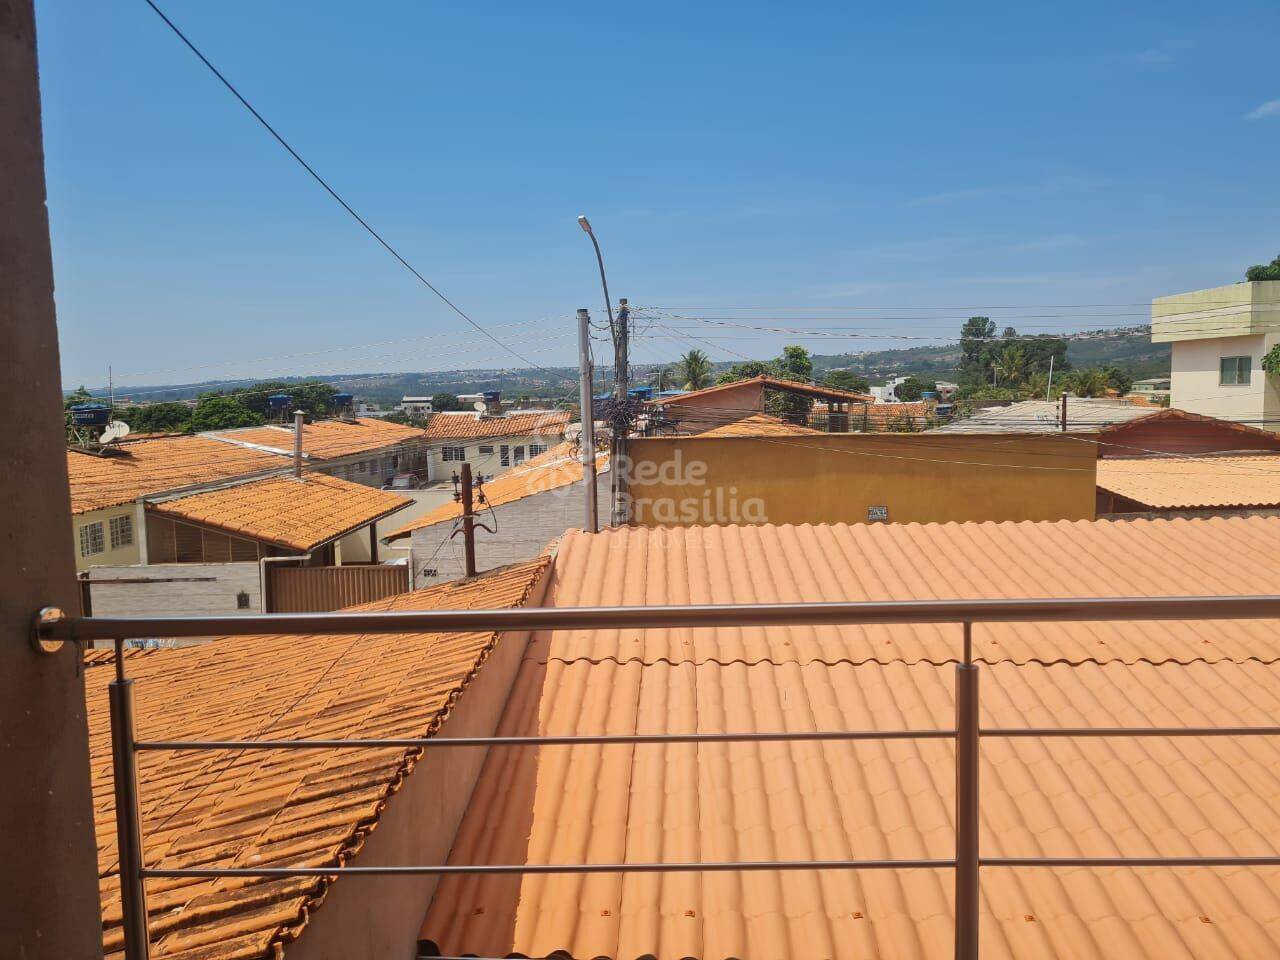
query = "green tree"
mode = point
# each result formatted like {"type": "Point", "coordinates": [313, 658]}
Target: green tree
{"type": "Point", "coordinates": [313, 398]}
{"type": "Point", "coordinates": [1010, 365]}
{"type": "Point", "coordinates": [975, 350]}
{"type": "Point", "coordinates": [695, 370]}
{"type": "Point", "coordinates": [444, 402]}
{"type": "Point", "coordinates": [847, 380]}
{"type": "Point", "coordinates": [1264, 271]}
{"type": "Point", "coordinates": [1091, 382]}
{"type": "Point", "coordinates": [912, 388]}
{"type": "Point", "coordinates": [747, 370]}
{"type": "Point", "coordinates": [794, 364]}
{"type": "Point", "coordinates": [217, 411]}
{"type": "Point", "coordinates": [1118, 380]}
{"type": "Point", "coordinates": [158, 418]}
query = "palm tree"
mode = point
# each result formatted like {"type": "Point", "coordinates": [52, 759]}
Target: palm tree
{"type": "Point", "coordinates": [1011, 365]}
{"type": "Point", "coordinates": [695, 369]}
{"type": "Point", "coordinates": [1086, 383]}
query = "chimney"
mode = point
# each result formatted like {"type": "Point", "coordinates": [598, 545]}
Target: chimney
{"type": "Point", "coordinates": [297, 443]}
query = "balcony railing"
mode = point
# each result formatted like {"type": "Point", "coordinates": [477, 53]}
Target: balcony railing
{"type": "Point", "coordinates": [52, 627]}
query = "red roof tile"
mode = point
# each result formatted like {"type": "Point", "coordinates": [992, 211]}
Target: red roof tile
{"type": "Point", "coordinates": [473, 426]}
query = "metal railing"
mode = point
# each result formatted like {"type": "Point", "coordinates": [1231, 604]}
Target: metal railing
{"type": "Point", "coordinates": [52, 627]}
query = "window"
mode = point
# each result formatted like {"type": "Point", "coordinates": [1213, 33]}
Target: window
{"type": "Point", "coordinates": [486, 451]}
{"type": "Point", "coordinates": [504, 455]}
{"type": "Point", "coordinates": [519, 455]}
{"type": "Point", "coordinates": [91, 541]}
{"type": "Point", "coordinates": [454, 453]}
{"type": "Point", "coordinates": [361, 467]}
{"type": "Point", "coordinates": [536, 449]}
{"type": "Point", "coordinates": [121, 532]}
{"type": "Point", "coordinates": [1234, 371]}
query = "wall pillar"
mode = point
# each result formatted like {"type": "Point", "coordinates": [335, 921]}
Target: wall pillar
{"type": "Point", "coordinates": [48, 885]}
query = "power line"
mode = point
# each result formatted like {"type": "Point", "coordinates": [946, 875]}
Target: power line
{"type": "Point", "coordinates": [336, 196]}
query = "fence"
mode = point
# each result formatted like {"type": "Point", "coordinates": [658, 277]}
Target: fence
{"type": "Point", "coordinates": [51, 628]}
{"type": "Point", "coordinates": [302, 589]}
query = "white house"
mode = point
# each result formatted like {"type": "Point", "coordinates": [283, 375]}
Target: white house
{"type": "Point", "coordinates": [1219, 338]}
{"type": "Point", "coordinates": [491, 444]}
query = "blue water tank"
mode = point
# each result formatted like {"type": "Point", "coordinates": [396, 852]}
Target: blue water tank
{"type": "Point", "coordinates": [343, 399]}
{"type": "Point", "coordinates": [929, 395]}
{"type": "Point", "coordinates": [641, 393]}
{"type": "Point", "coordinates": [491, 396]}
{"type": "Point", "coordinates": [279, 401]}
{"type": "Point", "coordinates": [90, 414]}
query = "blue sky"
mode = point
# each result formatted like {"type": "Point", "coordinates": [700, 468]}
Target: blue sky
{"type": "Point", "coordinates": [814, 160]}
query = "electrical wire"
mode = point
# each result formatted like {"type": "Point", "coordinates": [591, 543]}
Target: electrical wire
{"type": "Point", "coordinates": [337, 197]}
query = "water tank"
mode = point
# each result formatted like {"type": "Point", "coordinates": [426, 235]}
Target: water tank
{"type": "Point", "coordinates": [929, 395]}
{"type": "Point", "coordinates": [641, 393]}
{"type": "Point", "coordinates": [279, 402]}
{"type": "Point", "coordinates": [491, 397]}
{"type": "Point", "coordinates": [90, 414]}
{"type": "Point", "coordinates": [341, 400]}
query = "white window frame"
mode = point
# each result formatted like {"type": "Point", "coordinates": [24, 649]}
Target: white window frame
{"type": "Point", "coordinates": [1245, 362]}
{"type": "Point", "coordinates": [518, 456]}
{"type": "Point", "coordinates": [537, 450]}
{"type": "Point", "coordinates": [453, 454]}
{"type": "Point", "coordinates": [504, 457]}
{"type": "Point", "coordinates": [91, 536]}
{"type": "Point", "coordinates": [121, 531]}
{"type": "Point", "coordinates": [486, 450]}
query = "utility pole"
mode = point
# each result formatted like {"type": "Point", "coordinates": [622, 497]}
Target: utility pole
{"type": "Point", "coordinates": [468, 521]}
{"type": "Point", "coordinates": [49, 898]}
{"type": "Point", "coordinates": [622, 386]}
{"type": "Point", "coordinates": [1063, 415]}
{"type": "Point", "coordinates": [1048, 390]}
{"type": "Point", "coordinates": [587, 439]}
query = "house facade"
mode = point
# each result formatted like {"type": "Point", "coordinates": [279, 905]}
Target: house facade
{"type": "Point", "coordinates": [491, 444]}
{"type": "Point", "coordinates": [1219, 337]}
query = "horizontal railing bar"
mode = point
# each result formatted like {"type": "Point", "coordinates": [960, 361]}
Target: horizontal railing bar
{"type": "Point", "coordinates": [1131, 732]}
{"type": "Point", "coordinates": [711, 866]}
{"type": "Point", "coordinates": [588, 739]}
{"type": "Point", "coordinates": [1079, 609]}
{"type": "Point", "coordinates": [1129, 861]}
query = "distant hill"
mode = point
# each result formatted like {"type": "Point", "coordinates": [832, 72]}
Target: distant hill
{"type": "Point", "coordinates": [1129, 348]}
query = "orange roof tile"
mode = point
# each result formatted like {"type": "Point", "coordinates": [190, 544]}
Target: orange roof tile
{"type": "Point", "coordinates": [300, 514]}
{"type": "Point", "coordinates": [327, 439]}
{"type": "Point", "coordinates": [1199, 482]}
{"type": "Point", "coordinates": [769, 383]}
{"type": "Point", "coordinates": [758, 425]}
{"type": "Point", "coordinates": [557, 468]}
{"type": "Point", "coordinates": [686, 802]}
{"type": "Point", "coordinates": [155, 466]}
{"type": "Point", "coordinates": [261, 807]}
{"type": "Point", "coordinates": [473, 426]}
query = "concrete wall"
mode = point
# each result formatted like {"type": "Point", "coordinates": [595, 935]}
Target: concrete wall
{"type": "Point", "coordinates": [378, 918]}
{"type": "Point", "coordinates": [1196, 374]}
{"type": "Point", "coordinates": [524, 528]}
{"type": "Point", "coordinates": [705, 412]}
{"type": "Point", "coordinates": [923, 478]}
{"type": "Point", "coordinates": [123, 555]}
{"type": "Point", "coordinates": [174, 589]}
{"type": "Point", "coordinates": [1235, 309]}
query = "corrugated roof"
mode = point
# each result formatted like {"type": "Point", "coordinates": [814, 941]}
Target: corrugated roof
{"type": "Point", "coordinates": [1199, 482]}
{"type": "Point", "coordinates": [474, 426]}
{"type": "Point", "coordinates": [557, 468]}
{"type": "Point", "coordinates": [327, 439]}
{"type": "Point", "coordinates": [265, 808]}
{"type": "Point", "coordinates": [1044, 416]}
{"type": "Point", "coordinates": [155, 466]}
{"type": "Point", "coordinates": [769, 383]}
{"type": "Point", "coordinates": [298, 513]}
{"type": "Point", "coordinates": [758, 425]}
{"type": "Point", "coordinates": [689, 802]}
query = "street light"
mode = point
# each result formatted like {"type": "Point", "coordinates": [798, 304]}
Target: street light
{"type": "Point", "coordinates": [585, 224]}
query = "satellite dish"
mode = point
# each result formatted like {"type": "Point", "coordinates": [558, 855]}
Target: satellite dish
{"type": "Point", "coordinates": [479, 406]}
{"type": "Point", "coordinates": [115, 430]}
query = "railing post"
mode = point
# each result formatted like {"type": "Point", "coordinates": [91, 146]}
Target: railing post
{"type": "Point", "coordinates": [967, 802]}
{"type": "Point", "coordinates": [133, 897]}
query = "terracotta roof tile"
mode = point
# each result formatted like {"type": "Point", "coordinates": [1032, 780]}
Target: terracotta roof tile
{"type": "Point", "coordinates": [327, 439]}
{"type": "Point", "coordinates": [683, 802]}
{"type": "Point", "coordinates": [758, 425]}
{"type": "Point", "coordinates": [473, 426]}
{"type": "Point", "coordinates": [557, 468]}
{"type": "Point", "coordinates": [155, 466]}
{"type": "Point", "coordinates": [300, 514]}
{"type": "Point", "coordinates": [1198, 482]}
{"type": "Point", "coordinates": [263, 807]}
{"type": "Point", "coordinates": [769, 383]}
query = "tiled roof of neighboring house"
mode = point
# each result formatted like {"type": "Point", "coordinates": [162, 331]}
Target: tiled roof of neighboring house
{"type": "Point", "coordinates": [155, 466]}
{"type": "Point", "coordinates": [559, 467]}
{"type": "Point", "coordinates": [474, 426]}
{"type": "Point", "coordinates": [769, 383]}
{"type": "Point", "coordinates": [880, 416]}
{"type": "Point", "coordinates": [1199, 482]}
{"type": "Point", "coordinates": [883, 799]}
{"type": "Point", "coordinates": [297, 513]}
{"type": "Point", "coordinates": [1044, 416]}
{"type": "Point", "coordinates": [1249, 436]}
{"type": "Point", "coordinates": [295, 807]}
{"type": "Point", "coordinates": [758, 425]}
{"type": "Point", "coordinates": [327, 439]}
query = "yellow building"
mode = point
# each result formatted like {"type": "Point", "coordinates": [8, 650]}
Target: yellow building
{"type": "Point", "coordinates": [861, 478]}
